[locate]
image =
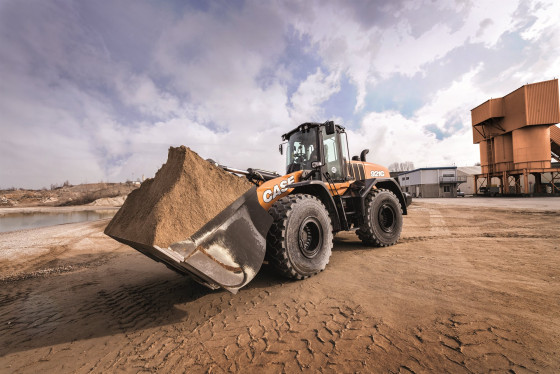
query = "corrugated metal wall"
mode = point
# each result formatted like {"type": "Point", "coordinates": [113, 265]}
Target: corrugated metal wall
{"type": "Point", "coordinates": [531, 147]}
{"type": "Point", "coordinates": [543, 105]}
{"type": "Point", "coordinates": [555, 141]}
{"type": "Point", "coordinates": [491, 109]}
{"type": "Point", "coordinates": [503, 152]}
{"type": "Point", "coordinates": [522, 137]}
{"type": "Point", "coordinates": [515, 106]}
{"type": "Point", "coordinates": [532, 104]}
{"type": "Point", "coordinates": [555, 134]}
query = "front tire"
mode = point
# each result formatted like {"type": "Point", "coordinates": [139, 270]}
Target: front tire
{"type": "Point", "coordinates": [383, 219]}
{"type": "Point", "coordinates": [299, 243]}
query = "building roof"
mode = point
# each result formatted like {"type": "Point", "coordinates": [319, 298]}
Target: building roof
{"type": "Point", "coordinates": [432, 168]}
{"type": "Point", "coordinates": [470, 170]}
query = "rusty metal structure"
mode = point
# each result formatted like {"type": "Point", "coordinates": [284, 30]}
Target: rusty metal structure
{"type": "Point", "coordinates": [517, 138]}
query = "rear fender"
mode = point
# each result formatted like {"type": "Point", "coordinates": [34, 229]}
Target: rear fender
{"type": "Point", "coordinates": [391, 185]}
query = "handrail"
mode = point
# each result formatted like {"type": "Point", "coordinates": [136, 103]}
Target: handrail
{"type": "Point", "coordinates": [454, 179]}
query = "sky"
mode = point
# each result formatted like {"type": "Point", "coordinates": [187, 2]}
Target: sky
{"type": "Point", "coordinates": [96, 91]}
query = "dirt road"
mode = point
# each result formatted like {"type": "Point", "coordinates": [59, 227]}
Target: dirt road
{"type": "Point", "coordinates": [465, 290]}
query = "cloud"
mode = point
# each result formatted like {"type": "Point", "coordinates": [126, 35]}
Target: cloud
{"type": "Point", "coordinates": [436, 134]}
{"type": "Point", "coordinates": [545, 19]}
{"type": "Point", "coordinates": [312, 92]}
{"type": "Point", "coordinates": [92, 91]}
{"type": "Point", "coordinates": [370, 55]}
{"type": "Point", "coordinates": [141, 93]}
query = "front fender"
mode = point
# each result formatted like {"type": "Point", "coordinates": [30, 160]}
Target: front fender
{"type": "Point", "coordinates": [318, 189]}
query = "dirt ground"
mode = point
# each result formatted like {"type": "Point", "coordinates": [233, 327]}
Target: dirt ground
{"type": "Point", "coordinates": [466, 289]}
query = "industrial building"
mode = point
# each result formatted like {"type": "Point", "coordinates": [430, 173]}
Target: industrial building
{"type": "Point", "coordinates": [431, 182]}
{"type": "Point", "coordinates": [517, 138]}
{"type": "Point", "coordinates": [468, 173]}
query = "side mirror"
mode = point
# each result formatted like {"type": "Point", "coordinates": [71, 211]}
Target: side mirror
{"type": "Point", "coordinates": [280, 149]}
{"type": "Point", "coordinates": [329, 127]}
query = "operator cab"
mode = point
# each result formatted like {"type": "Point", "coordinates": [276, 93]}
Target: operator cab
{"type": "Point", "coordinates": [319, 147]}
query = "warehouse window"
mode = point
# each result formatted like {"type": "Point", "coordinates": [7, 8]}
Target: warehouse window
{"type": "Point", "coordinates": [446, 189]}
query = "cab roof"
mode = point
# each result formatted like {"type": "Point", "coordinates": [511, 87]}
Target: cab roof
{"type": "Point", "coordinates": [308, 125]}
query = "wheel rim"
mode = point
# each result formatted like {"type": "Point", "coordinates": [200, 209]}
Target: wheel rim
{"type": "Point", "coordinates": [387, 217]}
{"type": "Point", "coordinates": [310, 237]}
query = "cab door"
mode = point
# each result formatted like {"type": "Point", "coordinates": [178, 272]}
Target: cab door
{"type": "Point", "coordinates": [332, 156]}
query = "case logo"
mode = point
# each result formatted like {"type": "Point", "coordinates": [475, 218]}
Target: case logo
{"type": "Point", "coordinates": [278, 189]}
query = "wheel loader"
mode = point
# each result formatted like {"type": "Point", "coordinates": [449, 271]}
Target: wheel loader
{"type": "Point", "coordinates": [290, 220]}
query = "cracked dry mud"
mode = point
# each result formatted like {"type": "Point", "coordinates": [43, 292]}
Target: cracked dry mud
{"type": "Point", "coordinates": [465, 290]}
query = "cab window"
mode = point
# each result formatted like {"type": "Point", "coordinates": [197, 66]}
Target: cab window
{"type": "Point", "coordinates": [302, 151]}
{"type": "Point", "coordinates": [333, 164]}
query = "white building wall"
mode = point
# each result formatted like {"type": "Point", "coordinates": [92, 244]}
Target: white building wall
{"type": "Point", "coordinates": [429, 182]}
{"type": "Point", "coordinates": [430, 176]}
{"type": "Point", "coordinates": [414, 178]}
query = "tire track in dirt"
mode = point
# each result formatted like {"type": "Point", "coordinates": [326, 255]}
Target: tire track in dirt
{"type": "Point", "coordinates": [487, 307]}
{"type": "Point", "coordinates": [498, 235]}
{"type": "Point", "coordinates": [484, 345]}
{"type": "Point", "coordinates": [258, 333]}
{"type": "Point", "coordinates": [444, 223]}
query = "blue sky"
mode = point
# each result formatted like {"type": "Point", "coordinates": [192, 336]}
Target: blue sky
{"type": "Point", "coordinates": [93, 91]}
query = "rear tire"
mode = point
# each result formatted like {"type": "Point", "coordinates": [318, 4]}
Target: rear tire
{"type": "Point", "coordinates": [300, 241]}
{"type": "Point", "coordinates": [383, 219]}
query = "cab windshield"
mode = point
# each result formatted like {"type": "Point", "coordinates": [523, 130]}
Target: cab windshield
{"type": "Point", "coordinates": [302, 150]}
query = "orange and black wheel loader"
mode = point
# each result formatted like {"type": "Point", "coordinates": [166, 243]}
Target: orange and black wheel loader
{"type": "Point", "coordinates": [291, 219]}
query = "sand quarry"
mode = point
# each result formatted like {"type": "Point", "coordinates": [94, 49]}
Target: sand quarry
{"type": "Point", "coordinates": [468, 288]}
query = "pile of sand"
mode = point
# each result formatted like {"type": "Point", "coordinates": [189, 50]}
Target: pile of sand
{"type": "Point", "coordinates": [185, 194]}
{"type": "Point", "coordinates": [5, 201]}
{"type": "Point", "coordinates": [109, 201]}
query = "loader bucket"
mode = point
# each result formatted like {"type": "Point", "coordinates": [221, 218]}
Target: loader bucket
{"type": "Point", "coordinates": [227, 252]}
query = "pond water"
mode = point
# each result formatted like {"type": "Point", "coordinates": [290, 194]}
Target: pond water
{"type": "Point", "coordinates": [31, 220]}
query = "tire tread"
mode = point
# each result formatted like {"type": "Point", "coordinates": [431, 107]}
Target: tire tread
{"type": "Point", "coordinates": [365, 232]}
{"type": "Point", "coordinates": [276, 238]}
